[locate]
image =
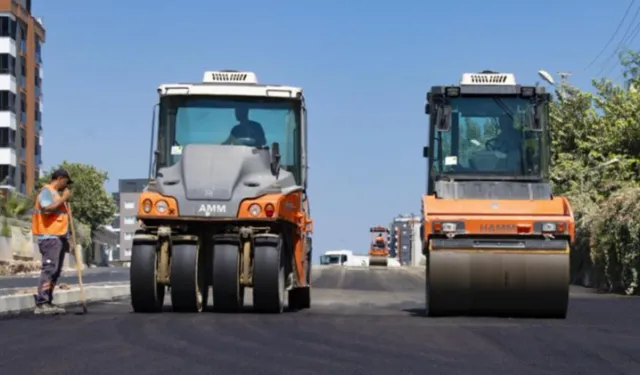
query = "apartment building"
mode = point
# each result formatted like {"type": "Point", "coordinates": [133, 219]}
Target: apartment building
{"type": "Point", "coordinates": [128, 192]}
{"type": "Point", "coordinates": [406, 242]}
{"type": "Point", "coordinates": [21, 39]}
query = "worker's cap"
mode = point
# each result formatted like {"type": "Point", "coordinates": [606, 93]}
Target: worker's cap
{"type": "Point", "coordinates": [61, 173]}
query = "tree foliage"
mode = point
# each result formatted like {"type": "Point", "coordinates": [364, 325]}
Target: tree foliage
{"type": "Point", "coordinates": [14, 209]}
{"type": "Point", "coordinates": [590, 129]}
{"type": "Point", "coordinates": [91, 204]}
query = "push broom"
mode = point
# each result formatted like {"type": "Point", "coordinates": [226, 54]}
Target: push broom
{"type": "Point", "coordinates": [78, 260]}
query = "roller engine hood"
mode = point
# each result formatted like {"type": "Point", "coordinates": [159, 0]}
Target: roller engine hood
{"type": "Point", "coordinates": [221, 176]}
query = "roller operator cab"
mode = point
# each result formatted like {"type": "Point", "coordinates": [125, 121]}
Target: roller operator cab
{"type": "Point", "coordinates": [226, 205]}
{"type": "Point", "coordinates": [496, 239]}
{"type": "Point", "coordinates": [379, 250]}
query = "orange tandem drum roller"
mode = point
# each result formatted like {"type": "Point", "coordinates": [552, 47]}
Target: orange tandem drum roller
{"type": "Point", "coordinates": [379, 250]}
{"type": "Point", "coordinates": [495, 236]}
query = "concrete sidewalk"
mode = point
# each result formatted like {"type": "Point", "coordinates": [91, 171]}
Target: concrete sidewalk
{"type": "Point", "coordinates": [19, 303]}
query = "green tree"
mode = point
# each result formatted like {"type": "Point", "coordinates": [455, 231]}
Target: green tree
{"type": "Point", "coordinates": [91, 204]}
{"type": "Point", "coordinates": [591, 128]}
{"type": "Point", "coordinates": [15, 210]}
{"type": "Point", "coordinates": [588, 129]}
{"type": "Point", "coordinates": [15, 206]}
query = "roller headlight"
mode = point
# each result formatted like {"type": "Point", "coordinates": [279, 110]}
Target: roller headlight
{"type": "Point", "coordinates": [162, 207]}
{"type": "Point", "coordinates": [255, 209]}
{"type": "Point", "coordinates": [549, 227]}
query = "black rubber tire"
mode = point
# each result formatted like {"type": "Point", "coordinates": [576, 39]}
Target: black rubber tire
{"type": "Point", "coordinates": [228, 293]}
{"type": "Point", "coordinates": [147, 296]}
{"type": "Point", "coordinates": [268, 277]}
{"type": "Point", "coordinates": [189, 290]}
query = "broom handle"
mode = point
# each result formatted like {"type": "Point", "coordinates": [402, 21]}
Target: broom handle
{"type": "Point", "coordinates": [76, 253]}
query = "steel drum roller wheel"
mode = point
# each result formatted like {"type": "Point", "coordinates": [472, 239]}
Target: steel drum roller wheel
{"type": "Point", "coordinates": [500, 284]}
{"type": "Point", "coordinates": [378, 261]}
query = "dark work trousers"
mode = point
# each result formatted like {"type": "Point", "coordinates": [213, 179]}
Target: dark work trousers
{"type": "Point", "coordinates": [53, 251]}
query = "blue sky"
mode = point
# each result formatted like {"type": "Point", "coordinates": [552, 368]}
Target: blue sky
{"type": "Point", "coordinates": [365, 67]}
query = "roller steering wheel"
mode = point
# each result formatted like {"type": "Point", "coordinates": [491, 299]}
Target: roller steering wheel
{"type": "Point", "coordinates": [491, 144]}
{"type": "Point", "coordinates": [243, 141]}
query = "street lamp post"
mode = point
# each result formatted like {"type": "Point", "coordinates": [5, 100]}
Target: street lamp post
{"type": "Point", "coordinates": [560, 87]}
{"type": "Point", "coordinates": [597, 167]}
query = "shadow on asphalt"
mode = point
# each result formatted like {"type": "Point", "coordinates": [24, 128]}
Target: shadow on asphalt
{"type": "Point", "coordinates": [422, 313]}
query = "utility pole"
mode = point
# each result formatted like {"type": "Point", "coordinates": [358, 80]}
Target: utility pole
{"type": "Point", "coordinates": [564, 83]}
{"type": "Point", "coordinates": [564, 76]}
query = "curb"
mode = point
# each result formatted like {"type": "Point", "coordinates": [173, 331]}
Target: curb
{"type": "Point", "coordinates": [19, 303]}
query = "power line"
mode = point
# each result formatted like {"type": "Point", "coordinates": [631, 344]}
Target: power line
{"type": "Point", "coordinates": [634, 34]}
{"type": "Point", "coordinates": [626, 35]}
{"type": "Point", "coordinates": [626, 13]}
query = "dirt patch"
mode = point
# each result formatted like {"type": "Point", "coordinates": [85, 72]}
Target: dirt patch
{"type": "Point", "coordinates": [18, 267]}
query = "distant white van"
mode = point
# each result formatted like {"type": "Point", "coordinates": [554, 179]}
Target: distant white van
{"type": "Point", "coordinates": [344, 258]}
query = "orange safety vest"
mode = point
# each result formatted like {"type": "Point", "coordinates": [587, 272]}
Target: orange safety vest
{"type": "Point", "coordinates": [53, 224]}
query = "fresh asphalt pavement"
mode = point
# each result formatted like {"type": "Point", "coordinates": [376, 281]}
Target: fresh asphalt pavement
{"type": "Point", "coordinates": [361, 322]}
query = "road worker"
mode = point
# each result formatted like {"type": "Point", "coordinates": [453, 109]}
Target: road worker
{"type": "Point", "coordinates": [380, 241]}
{"type": "Point", "coordinates": [50, 225]}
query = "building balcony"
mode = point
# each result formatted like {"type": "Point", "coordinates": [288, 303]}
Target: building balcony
{"type": "Point", "coordinates": [8, 120]}
{"type": "Point", "coordinates": [8, 45]}
{"type": "Point", "coordinates": [8, 156]}
{"type": "Point", "coordinates": [23, 46]}
{"type": "Point", "coordinates": [22, 81]}
{"type": "Point", "coordinates": [8, 81]}
{"type": "Point", "coordinates": [38, 125]}
{"type": "Point", "coordinates": [38, 159]}
{"type": "Point", "coordinates": [23, 118]}
{"type": "Point", "coordinates": [38, 92]}
{"type": "Point", "coordinates": [23, 188]}
{"type": "Point", "coordinates": [23, 154]}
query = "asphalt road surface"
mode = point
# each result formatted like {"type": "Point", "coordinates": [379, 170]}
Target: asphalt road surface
{"type": "Point", "coordinates": [89, 275]}
{"type": "Point", "coordinates": [361, 322]}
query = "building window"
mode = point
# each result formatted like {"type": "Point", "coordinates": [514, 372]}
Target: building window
{"type": "Point", "coordinates": [7, 137]}
{"type": "Point", "coordinates": [127, 252]}
{"type": "Point", "coordinates": [23, 139]}
{"type": "Point", "coordinates": [36, 73]}
{"type": "Point", "coordinates": [7, 101]}
{"type": "Point", "coordinates": [129, 205]}
{"type": "Point", "coordinates": [38, 51]}
{"type": "Point", "coordinates": [128, 236]}
{"type": "Point", "coordinates": [7, 64]}
{"type": "Point", "coordinates": [7, 27]}
{"type": "Point", "coordinates": [23, 177]}
{"type": "Point", "coordinates": [129, 220]}
{"type": "Point", "coordinates": [6, 174]}
{"type": "Point", "coordinates": [21, 28]}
